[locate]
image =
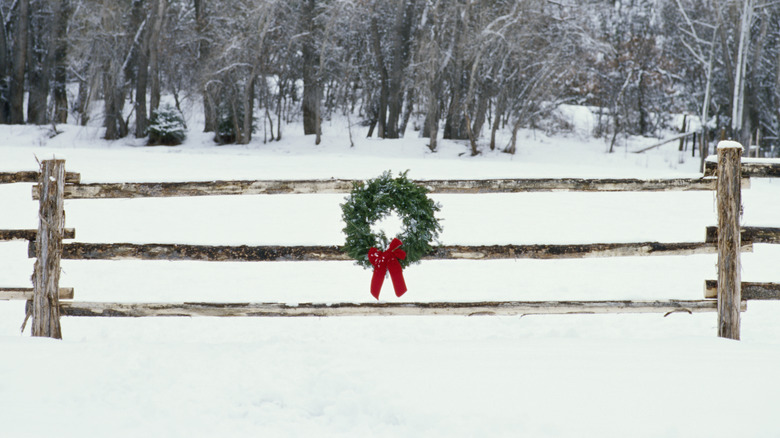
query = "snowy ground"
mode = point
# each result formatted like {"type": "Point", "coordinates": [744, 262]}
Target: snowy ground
{"type": "Point", "coordinates": [535, 376]}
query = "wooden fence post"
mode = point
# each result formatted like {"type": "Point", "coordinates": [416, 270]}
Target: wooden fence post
{"type": "Point", "coordinates": [51, 223]}
{"type": "Point", "coordinates": [729, 206]}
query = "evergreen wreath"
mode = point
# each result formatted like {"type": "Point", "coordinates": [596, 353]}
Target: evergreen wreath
{"type": "Point", "coordinates": [372, 201]}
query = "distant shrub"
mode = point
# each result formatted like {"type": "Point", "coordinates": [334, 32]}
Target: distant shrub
{"type": "Point", "coordinates": [229, 118]}
{"type": "Point", "coordinates": [166, 127]}
{"type": "Point", "coordinates": [226, 127]}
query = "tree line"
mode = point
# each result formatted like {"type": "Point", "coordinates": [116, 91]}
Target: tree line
{"type": "Point", "coordinates": [456, 69]}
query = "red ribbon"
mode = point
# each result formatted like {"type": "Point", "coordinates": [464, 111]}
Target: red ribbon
{"type": "Point", "coordinates": [384, 261]}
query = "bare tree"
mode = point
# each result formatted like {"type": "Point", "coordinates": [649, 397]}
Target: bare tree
{"type": "Point", "coordinates": [59, 53]}
{"type": "Point", "coordinates": [158, 19]}
{"type": "Point", "coordinates": [16, 85]}
{"type": "Point", "coordinates": [39, 62]}
{"type": "Point", "coordinates": [204, 43]}
{"type": "Point", "coordinates": [5, 68]}
{"type": "Point", "coordinates": [312, 90]}
{"type": "Point", "coordinates": [140, 19]}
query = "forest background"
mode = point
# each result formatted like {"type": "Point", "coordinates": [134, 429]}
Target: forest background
{"type": "Point", "coordinates": [459, 69]}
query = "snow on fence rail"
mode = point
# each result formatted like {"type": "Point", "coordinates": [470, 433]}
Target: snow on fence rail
{"type": "Point", "coordinates": [728, 240]}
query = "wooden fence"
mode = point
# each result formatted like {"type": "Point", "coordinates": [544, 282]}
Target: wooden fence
{"type": "Point", "coordinates": [727, 295]}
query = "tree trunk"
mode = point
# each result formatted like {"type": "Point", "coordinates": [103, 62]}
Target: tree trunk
{"type": "Point", "coordinates": [5, 70]}
{"type": "Point", "coordinates": [135, 68]}
{"type": "Point", "coordinates": [37, 102]}
{"type": "Point", "coordinates": [733, 68]}
{"type": "Point", "coordinates": [154, 55]}
{"type": "Point", "coordinates": [511, 148]}
{"type": "Point", "coordinates": [19, 63]}
{"type": "Point", "coordinates": [245, 134]}
{"type": "Point", "coordinates": [311, 92]}
{"type": "Point", "coordinates": [141, 116]}
{"type": "Point", "coordinates": [432, 121]}
{"type": "Point", "coordinates": [384, 93]}
{"type": "Point", "coordinates": [683, 130]}
{"type": "Point", "coordinates": [39, 63]}
{"type": "Point", "coordinates": [201, 23]}
{"type": "Point", "coordinates": [38, 84]}
{"type": "Point", "coordinates": [455, 122]}
{"type": "Point", "coordinates": [483, 101]}
{"type": "Point", "coordinates": [279, 110]}
{"type": "Point", "coordinates": [115, 100]}
{"type": "Point", "coordinates": [705, 110]}
{"type": "Point", "coordinates": [373, 112]}
{"type": "Point", "coordinates": [407, 112]}
{"type": "Point", "coordinates": [497, 115]}
{"type": "Point", "coordinates": [311, 86]}
{"type": "Point", "coordinates": [616, 106]}
{"type": "Point", "coordinates": [137, 26]}
{"type": "Point", "coordinates": [472, 138]}
{"type": "Point", "coordinates": [82, 102]}
{"type": "Point", "coordinates": [59, 60]}
{"type": "Point", "coordinates": [641, 107]}
{"type": "Point", "coordinates": [401, 47]}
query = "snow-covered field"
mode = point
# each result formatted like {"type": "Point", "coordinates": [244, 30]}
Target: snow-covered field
{"type": "Point", "coordinates": [535, 376]}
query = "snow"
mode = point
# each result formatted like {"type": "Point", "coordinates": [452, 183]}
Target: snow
{"type": "Point", "coordinates": [538, 376]}
{"type": "Point", "coordinates": [389, 225]}
{"type": "Point", "coordinates": [729, 145]}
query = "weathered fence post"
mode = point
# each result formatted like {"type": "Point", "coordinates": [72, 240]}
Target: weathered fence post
{"type": "Point", "coordinates": [48, 243]}
{"type": "Point", "coordinates": [729, 206]}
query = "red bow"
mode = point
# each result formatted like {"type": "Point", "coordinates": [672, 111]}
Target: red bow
{"type": "Point", "coordinates": [384, 261]}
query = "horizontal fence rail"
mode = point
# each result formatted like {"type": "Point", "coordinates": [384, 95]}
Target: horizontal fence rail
{"type": "Point", "coordinates": [750, 290]}
{"type": "Point", "coordinates": [68, 233]}
{"type": "Point", "coordinates": [267, 187]}
{"type": "Point", "coordinates": [33, 176]}
{"type": "Point", "coordinates": [385, 309]}
{"type": "Point", "coordinates": [749, 234]}
{"type": "Point", "coordinates": [23, 293]}
{"type": "Point", "coordinates": [243, 253]}
{"type": "Point", "coordinates": [750, 169]}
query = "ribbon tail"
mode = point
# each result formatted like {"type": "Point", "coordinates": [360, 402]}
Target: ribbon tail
{"type": "Point", "coordinates": [376, 281]}
{"type": "Point", "coordinates": [397, 275]}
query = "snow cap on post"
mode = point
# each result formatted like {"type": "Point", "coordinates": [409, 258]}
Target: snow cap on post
{"type": "Point", "coordinates": [729, 144]}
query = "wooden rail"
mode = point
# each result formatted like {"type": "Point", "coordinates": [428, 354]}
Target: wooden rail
{"type": "Point", "coordinates": [32, 177]}
{"type": "Point", "coordinates": [750, 169]}
{"type": "Point", "coordinates": [385, 309]}
{"type": "Point", "coordinates": [179, 252]}
{"type": "Point", "coordinates": [749, 234]}
{"type": "Point", "coordinates": [213, 188]}
{"type": "Point", "coordinates": [30, 235]}
{"type": "Point", "coordinates": [23, 293]}
{"type": "Point", "coordinates": [750, 291]}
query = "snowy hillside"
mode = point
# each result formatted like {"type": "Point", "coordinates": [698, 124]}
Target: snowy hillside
{"type": "Point", "coordinates": [535, 376]}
